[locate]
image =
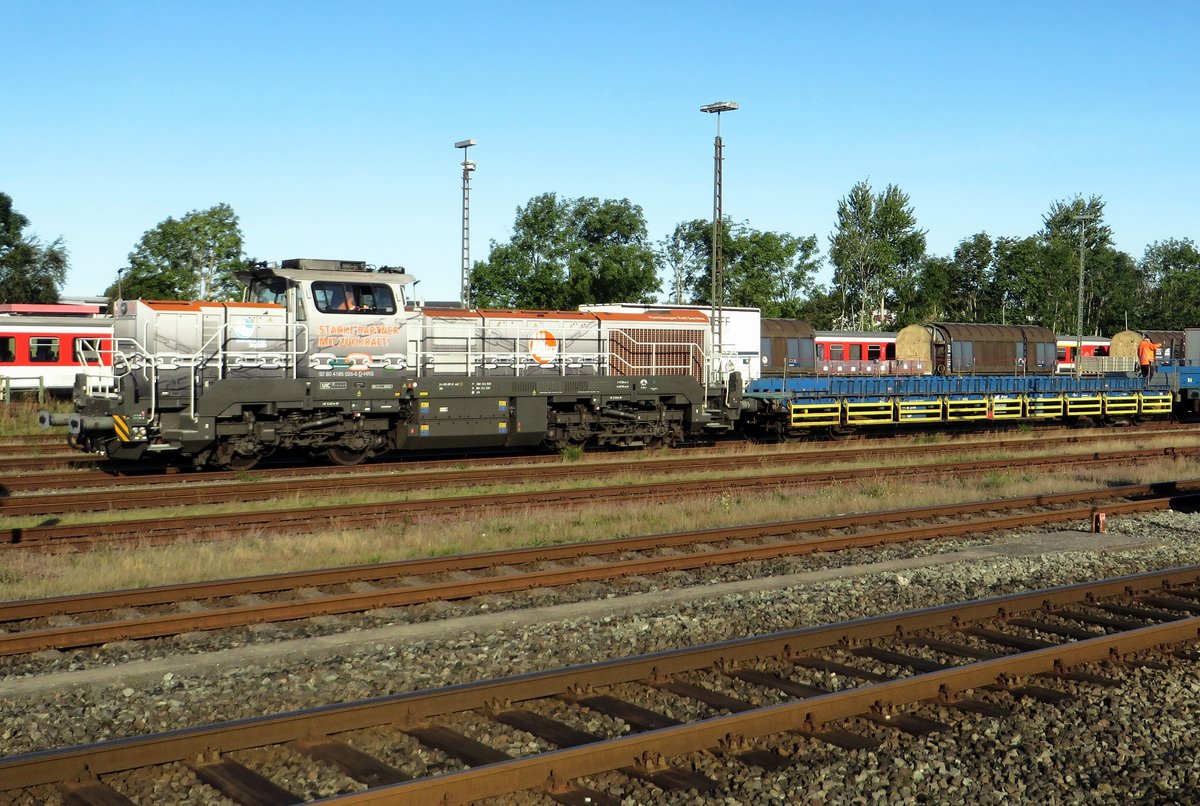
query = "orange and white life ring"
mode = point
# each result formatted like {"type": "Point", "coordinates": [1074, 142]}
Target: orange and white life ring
{"type": "Point", "coordinates": [543, 346]}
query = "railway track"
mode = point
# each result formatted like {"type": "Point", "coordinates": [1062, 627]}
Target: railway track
{"type": "Point", "coordinates": [155, 612]}
{"type": "Point", "coordinates": [669, 718]}
{"type": "Point", "coordinates": [275, 519]}
{"type": "Point", "coordinates": [18, 457]}
{"type": "Point", "coordinates": [393, 480]}
{"type": "Point", "coordinates": [23, 489]}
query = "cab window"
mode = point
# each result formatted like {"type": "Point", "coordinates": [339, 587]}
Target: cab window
{"type": "Point", "coordinates": [272, 290]}
{"type": "Point", "coordinates": [373, 298]}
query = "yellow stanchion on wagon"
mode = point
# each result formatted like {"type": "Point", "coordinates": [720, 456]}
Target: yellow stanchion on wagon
{"type": "Point", "coordinates": [910, 410]}
{"type": "Point", "coordinates": [973, 407]}
{"type": "Point", "coordinates": [1120, 403]}
{"type": "Point", "coordinates": [870, 412]}
{"type": "Point", "coordinates": [1084, 405]}
{"type": "Point", "coordinates": [1043, 405]}
{"type": "Point", "coordinates": [1007, 407]}
{"type": "Point", "coordinates": [811, 415]}
{"type": "Point", "coordinates": [1155, 402]}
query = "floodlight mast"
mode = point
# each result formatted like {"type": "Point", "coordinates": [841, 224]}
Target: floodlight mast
{"type": "Point", "coordinates": [717, 324]}
{"type": "Point", "coordinates": [468, 166]}
{"type": "Point", "coordinates": [1082, 219]}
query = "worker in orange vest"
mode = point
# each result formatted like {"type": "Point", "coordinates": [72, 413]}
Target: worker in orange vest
{"type": "Point", "coordinates": [1146, 351]}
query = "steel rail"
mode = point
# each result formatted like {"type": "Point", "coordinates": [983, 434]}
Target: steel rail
{"type": "Point", "coordinates": [160, 625]}
{"type": "Point", "coordinates": [204, 488]}
{"type": "Point", "coordinates": [36, 484]}
{"type": "Point", "coordinates": [554, 769]}
{"type": "Point", "coordinates": [412, 708]}
{"type": "Point", "coordinates": [112, 473]}
{"type": "Point", "coordinates": [271, 583]}
{"type": "Point", "coordinates": [164, 530]}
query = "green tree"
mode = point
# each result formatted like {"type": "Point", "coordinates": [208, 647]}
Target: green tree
{"type": "Point", "coordinates": [193, 257]}
{"type": "Point", "coordinates": [768, 270]}
{"type": "Point", "coordinates": [567, 253]}
{"type": "Point", "coordinates": [1017, 283]}
{"type": "Point", "coordinates": [686, 257]}
{"type": "Point", "coordinates": [1110, 278]}
{"type": "Point", "coordinates": [1060, 236]}
{"type": "Point", "coordinates": [970, 272]}
{"type": "Point", "coordinates": [876, 252]}
{"type": "Point", "coordinates": [1170, 286]}
{"type": "Point", "coordinates": [935, 301]}
{"type": "Point", "coordinates": [30, 271]}
{"type": "Point", "coordinates": [956, 289]}
{"type": "Point", "coordinates": [821, 308]}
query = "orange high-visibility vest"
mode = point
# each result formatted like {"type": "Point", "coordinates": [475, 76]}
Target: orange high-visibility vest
{"type": "Point", "coordinates": [1146, 351]}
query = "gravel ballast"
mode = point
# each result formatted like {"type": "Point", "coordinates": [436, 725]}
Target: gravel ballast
{"type": "Point", "coordinates": [1131, 744]}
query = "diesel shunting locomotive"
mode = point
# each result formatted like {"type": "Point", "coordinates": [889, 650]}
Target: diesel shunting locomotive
{"type": "Point", "coordinates": [332, 358]}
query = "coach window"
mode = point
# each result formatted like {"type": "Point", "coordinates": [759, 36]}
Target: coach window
{"type": "Point", "coordinates": [43, 350]}
{"type": "Point", "coordinates": [836, 352]}
{"type": "Point", "coordinates": [8, 349]}
{"type": "Point", "coordinates": [856, 352]}
{"type": "Point", "coordinates": [872, 352]}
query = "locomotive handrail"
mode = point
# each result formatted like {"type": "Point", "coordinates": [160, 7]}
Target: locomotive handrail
{"type": "Point", "coordinates": [447, 355]}
{"type": "Point", "coordinates": [222, 337]}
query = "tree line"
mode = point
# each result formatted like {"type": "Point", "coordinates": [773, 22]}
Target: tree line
{"type": "Point", "coordinates": [569, 252]}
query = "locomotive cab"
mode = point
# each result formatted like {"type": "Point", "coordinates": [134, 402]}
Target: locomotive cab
{"type": "Point", "coordinates": [349, 321]}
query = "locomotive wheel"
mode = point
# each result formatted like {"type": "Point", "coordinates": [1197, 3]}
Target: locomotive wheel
{"type": "Point", "coordinates": [347, 457]}
{"type": "Point", "coordinates": [243, 461]}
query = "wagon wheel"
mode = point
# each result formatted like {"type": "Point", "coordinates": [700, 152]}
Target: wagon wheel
{"type": "Point", "coordinates": [842, 431]}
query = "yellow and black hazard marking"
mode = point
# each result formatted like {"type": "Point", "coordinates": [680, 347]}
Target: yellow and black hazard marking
{"type": "Point", "coordinates": [121, 426]}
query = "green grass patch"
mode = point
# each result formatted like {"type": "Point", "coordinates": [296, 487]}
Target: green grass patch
{"type": "Point", "coordinates": [19, 418]}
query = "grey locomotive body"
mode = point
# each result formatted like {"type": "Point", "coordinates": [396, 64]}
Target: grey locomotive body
{"type": "Point", "coordinates": [329, 358]}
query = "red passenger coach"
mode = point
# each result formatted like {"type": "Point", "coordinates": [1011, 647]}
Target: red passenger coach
{"type": "Point", "coordinates": [849, 345]}
{"type": "Point", "coordinates": [44, 346]}
{"type": "Point", "coordinates": [850, 352]}
{"type": "Point", "coordinates": [1088, 347]}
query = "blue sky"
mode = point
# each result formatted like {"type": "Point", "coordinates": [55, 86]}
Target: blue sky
{"type": "Point", "coordinates": [329, 127]}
